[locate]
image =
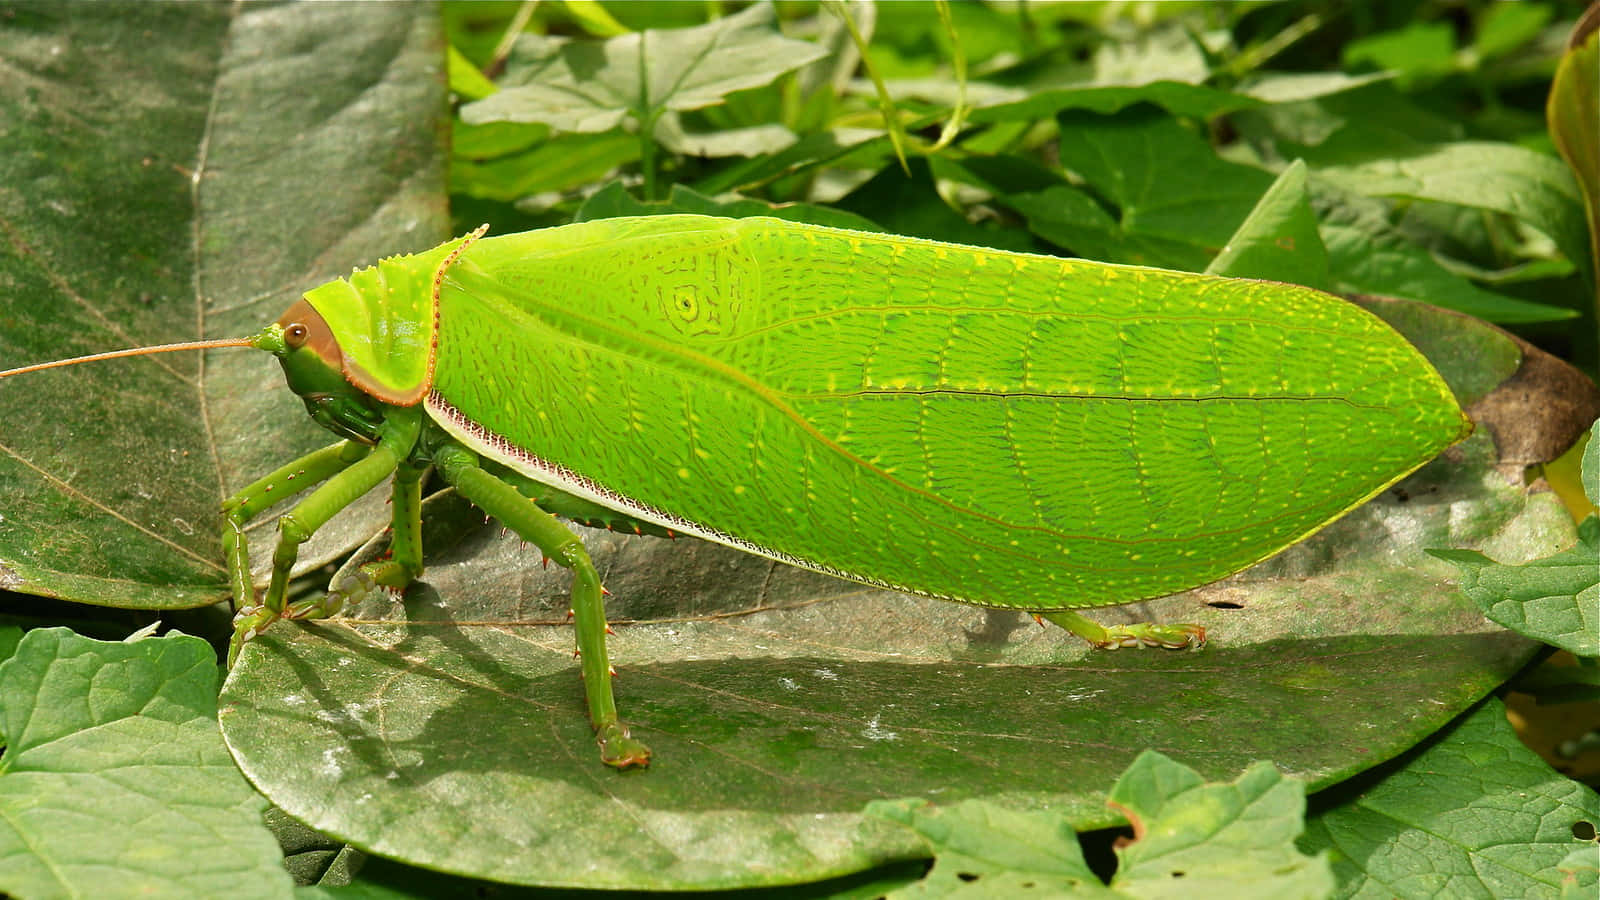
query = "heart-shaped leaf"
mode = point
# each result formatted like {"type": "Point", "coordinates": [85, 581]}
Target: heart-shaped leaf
{"type": "Point", "coordinates": [594, 85]}
{"type": "Point", "coordinates": [113, 781]}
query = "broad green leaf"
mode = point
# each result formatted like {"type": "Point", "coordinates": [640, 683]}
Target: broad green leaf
{"type": "Point", "coordinates": [1504, 27]}
{"type": "Point", "coordinates": [983, 850]}
{"type": "Point", "coordinates": [1529, 186]}
{"type": "Point", "coordinates": [563, 163]}
{"type": "Point", "coordinates": [161, 188]}
{"type": "Point", "coordinates": [1197, 839]}
{"type": "Point", "coordinates": [1170, 51]}
{"type": "Point", "coordinates": [1176, 97]}
{"type": "Point", "coordinates": [1368, 255]}
{"type": "Point", "coordinates": [756, 140]}
{"type": "Point", "coordinates": [114, 781]}
{"type": "Point", "coordinates": [1191, 839]}
{"type": "Point", "coordinates": [1278, 241]}
{"type": "Point", "coordinates": [1555, 599]}
{"type": "Point", "coordinates": [484, 142]}
{"type": "Point", "coordinates": [1174, 203]}
{"type": "Point", "coordinates": [614, 200]}
{"type": "Point", "coordinates": [812, 152]}
{"type": "Point", "coordinates": [1370, 121]}
{"type": "Point", "coordinates": [1293, 87]}
{"type": "Point", "coordinates": [1422, 48]}
{"type": "Point", "coordinates": [779, 702]}
{"type": "Point", "coordinates": [594, 86]}
{"type": "Point", "coordinates": [1472, 813]}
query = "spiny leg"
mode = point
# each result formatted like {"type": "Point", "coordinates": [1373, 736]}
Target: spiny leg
{"type": "Point", "coordinates": [1112, 637]}
{"type": "Point", "coordinates": [459, 467]}
{"type": "Point", "coordinates": [396, 437]}
{"type": "Point", "coordinates": [261, 494]}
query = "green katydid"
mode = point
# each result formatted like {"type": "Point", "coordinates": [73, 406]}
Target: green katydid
{"type": "Point", "coordinates": [1001, 429]}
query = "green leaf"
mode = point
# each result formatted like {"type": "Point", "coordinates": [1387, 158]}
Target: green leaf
{"type": "Point", "coordinates": [1420, 48]}
{"type": "Point", "coordinates": [1506, 26]}
{"type": "Point", "coordinates": [563, 163]}
{"type": "Point", "coordinates": [1197, 839]}
{"type": "Point", "coordinates": [162, 188]}
{"type": "Point", "coordinates": [1580, 872]}
{"type": "Point", "coordinates": [1278, 241]}
{"type": "Point", "coordinates": [1572, 110]}
{"type": "Point", "coordinates": [1590, 473]}
{"type": "Point", "coordinates": [10, 635]}
{"type": "Point", "coordinates": [1367, 255]}
{"type": "Point", "coordinates": [755, 140]}
{"type": "Point", "coordinates": [1529, 186]}
{"type": "Point", "coordinates": [1174, 203]}
{"type": "Point", "coordinates": [1190, 839]}
{"type": "Point", "coordinates": [984, 850]}
{"type": "Point", "coordinates": [115, 783]}
{"type": "Point", "coordinates": [614, 200]}
{"type": "Point", "coordinates": [466, 80]}
{"type": "Point", "coordinates": [1555, 599]}
{"type": "Point", "coordinates": [1176, 97]}
{"type": "Point", "coordinates": [593, 86]}
{"type": "Point", "coordinates": [1474, 813]}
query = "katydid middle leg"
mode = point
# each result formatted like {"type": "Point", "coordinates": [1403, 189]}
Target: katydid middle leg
{"type": "Point", "coordinates": [459, 467]}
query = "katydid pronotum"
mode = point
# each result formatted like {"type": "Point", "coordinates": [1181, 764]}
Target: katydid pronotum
{"type": "Point", "coordinates": [1001, 429]}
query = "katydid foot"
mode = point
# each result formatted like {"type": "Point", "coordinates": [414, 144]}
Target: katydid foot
{"type": "Point", "coordinates": [250, 621]}
{"type": "Point", "coordinates": [619, 749]}
{"type": "Point", "coordinates": [1141, 634]}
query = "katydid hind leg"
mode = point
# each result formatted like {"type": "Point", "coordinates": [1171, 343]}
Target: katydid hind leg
{"type": "Point", "coordinates": [459, 467]}
{"type": "Point", "coordinates": [1139, 634]}
{"type": "Point", "coordinates": [574, 508]}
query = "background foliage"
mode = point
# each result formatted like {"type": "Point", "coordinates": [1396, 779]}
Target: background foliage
{"type": "Point", "coordinates": [177, 171]}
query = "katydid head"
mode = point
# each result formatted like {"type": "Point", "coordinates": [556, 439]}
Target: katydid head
{"type": "Point", "coordinates": [313, 365]}
{"type": "Point", "coordinates": [309, 353]}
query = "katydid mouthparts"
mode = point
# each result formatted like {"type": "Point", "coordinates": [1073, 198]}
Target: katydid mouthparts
{"type": "Point", "coordinates": [994, 428]}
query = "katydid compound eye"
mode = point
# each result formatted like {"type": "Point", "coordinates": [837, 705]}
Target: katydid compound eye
{"type": "Point", "coordinates": [295, 335]}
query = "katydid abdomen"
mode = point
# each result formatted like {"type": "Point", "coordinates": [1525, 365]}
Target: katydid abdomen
{"type": "Point", "coordinates": [994, 428]}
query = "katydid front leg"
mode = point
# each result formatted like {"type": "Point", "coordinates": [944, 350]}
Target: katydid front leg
{"type": "Point", "coordinates": [396, 437]}
{"type": "Point", "coordinates": [459, 467]}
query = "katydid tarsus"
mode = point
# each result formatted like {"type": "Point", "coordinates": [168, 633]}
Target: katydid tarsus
{"type": "Point", "coordinates": [1001, 429]}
